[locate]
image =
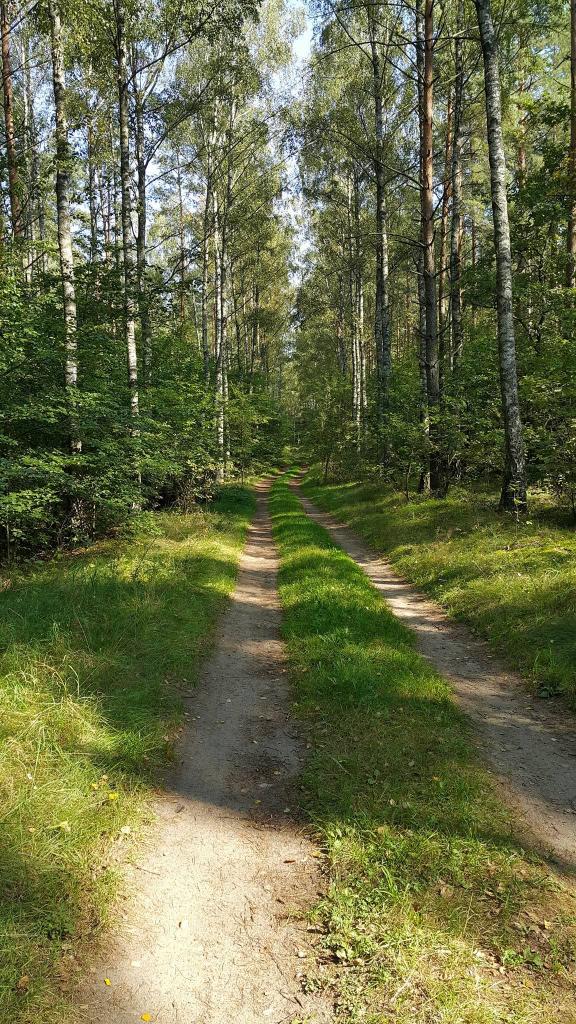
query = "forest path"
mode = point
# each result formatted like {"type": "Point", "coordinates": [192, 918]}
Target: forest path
{"type": "Point", "coordinates": [211, 931]}
{"type": "Point", "coordinates": [530, 745]}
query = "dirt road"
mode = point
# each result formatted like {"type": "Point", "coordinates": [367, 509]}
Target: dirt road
{"type": "Point", "coordinates": [208, 934]}
{"type": "Point", "coordinates": [531, 745]}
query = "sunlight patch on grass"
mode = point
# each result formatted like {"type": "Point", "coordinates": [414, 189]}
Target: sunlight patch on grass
{"type": "Point", "coordinates": [432, 911]}
{"type": "Point", "coordinates": [96, 650]}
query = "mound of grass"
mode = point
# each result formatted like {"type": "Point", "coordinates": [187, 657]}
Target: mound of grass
{"type": "Point", "coordinates": [513, 581]}
{"type": "Point", "coordinates": [96, 647]}
{"type": "Point", "coordinates": [432, 912]}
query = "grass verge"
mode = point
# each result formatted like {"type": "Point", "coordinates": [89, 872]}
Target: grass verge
{"type": "Point", "coordinates": [433, 914]}
{"type": "Point", "coordinates": [514, 582]}
{"type": "Point", "coordinates": [96, 647]}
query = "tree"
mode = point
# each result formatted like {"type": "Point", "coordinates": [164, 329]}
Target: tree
{"type": "Point", "coordinates": [129, 270]}
{"type": "Point", "coordinates": [63, 164]}
{"type": "Point", "coordinates": [513, 496]}
{"type": "Point", "coordinates": [432, 353]}
{"type": "Point", "coordinates": [11, 154]}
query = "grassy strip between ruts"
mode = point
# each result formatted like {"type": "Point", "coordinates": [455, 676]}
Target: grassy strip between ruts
{"type": "Point", "coordinates": [96, 647]}
{"type": "Point", "coordinates": [432, 912]}
{"type": "Point", "coordinates": [513, 581]}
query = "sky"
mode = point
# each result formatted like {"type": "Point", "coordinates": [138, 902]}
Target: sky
{"type": "Point", "coordinates": [302, 45]}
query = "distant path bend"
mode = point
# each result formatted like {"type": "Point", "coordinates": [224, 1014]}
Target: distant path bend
{"type": "Point", "coordinates": [531, 745]}
{"type": "Point", "coordinates": [212, 929]}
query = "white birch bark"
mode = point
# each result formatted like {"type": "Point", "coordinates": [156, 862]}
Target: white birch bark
{"type": "Point", "coordinates": [129, 270]}
{"type": "Point", "coordinates": [63, 158]}
{"type": "Point", "coordinates": [513, 495]}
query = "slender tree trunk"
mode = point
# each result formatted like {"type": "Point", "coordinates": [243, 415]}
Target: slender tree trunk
{"type": "Point", "coordinates": [63, 161]}
{"type": "Point", "coordinates": [205, 280]}
{"type": "Point", "coordinates": [353, 308]}
{"type": "Point", "coordinates": [28, 212]}
{"type": "Point", "coordinates": [141, 240]}
{"type": "Point", "coordinates": [514, 481]}
{"type": "Point", "coordinates": [220, 342]}
{"type": "Point", "coordinates": [126, 216]}
{"type": "Point", "coordinates": [92, 191]}
{"type": "Point", "coordinates": [457, 341]}
{"type": "Point", "coordinates": [342, 361]}
{"type": "Point", "coordinates": [427, 239]}
{"type": "Point", "coordinates": [106, 213]}
{"type": "Point", "coordinates": [571, 237]}
{"type": "Point", "coordinates": [11, 154]}
{"type": "Point", "coordinates": [424, 482]}
{"type": "Point", "coordinates": [182, 253]}
{"type": "Point", "coordinates": [381, 314]}
{"type": "Point", "coordinates": [358, 313]}
{"type": "Point", "coordinates": [443, 320]}
{"type": "Point", "coordinates": [256, 318]}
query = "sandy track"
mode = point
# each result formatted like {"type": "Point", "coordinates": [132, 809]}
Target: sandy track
{"type": "Point", "coordinates": [530, 745]}
{"type": "Point", "coordinates": [208, 934]}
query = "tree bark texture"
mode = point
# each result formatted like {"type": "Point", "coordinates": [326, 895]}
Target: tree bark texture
{"type": "Point", "coordinates": [63, 161]}
{"type": "Point", "coordinates": [129, 270]}
{"type": "Point", "coordinates": [513, 497]}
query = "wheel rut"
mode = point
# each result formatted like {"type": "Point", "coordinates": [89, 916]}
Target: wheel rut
{"type": "Point", "coordinates": [529, 745]}
{"type": "Point", "coordinates": [212, 929]}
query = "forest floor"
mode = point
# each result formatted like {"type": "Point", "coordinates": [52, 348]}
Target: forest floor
{"type": "Point", "coordinates": [99, 647]}
{"type": "Point", "coordinates": [512, 580]}
{"type": "Point", "coordinates": [213, 927]}
{"type": "Point", "coordinates": [528, 743]}
{"type": "Point", "coordinates": [438, 908]}
{"type": "Point", "coordinates": [407, 892]}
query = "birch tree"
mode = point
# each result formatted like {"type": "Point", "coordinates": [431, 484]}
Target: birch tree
{"type": "Point", "coordinates": [513, 496]}
{"type": "Point", "coordinates": [8, 100]}
{"type": "Point", "coordinates": [63, 166]}
{"type": "Point", "coordinates": [129, 269]}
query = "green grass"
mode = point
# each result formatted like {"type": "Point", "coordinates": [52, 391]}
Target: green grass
{"type": "Point", "coordinates": [95, 649]}
{"type": "Point", "coordinates": [433, 914]}
{"type": "Point", "coordinates": [513, 583]}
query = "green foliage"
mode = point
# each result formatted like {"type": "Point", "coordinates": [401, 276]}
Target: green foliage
{"type": "Point", "coordinates": [432, 911]}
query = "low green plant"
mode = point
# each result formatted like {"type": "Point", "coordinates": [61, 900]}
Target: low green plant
{"type": "Point", "coordinates": [513, 579]}
{"type": "Point", "coordinates": [432, 911]}
{"type": "Point", "coordinates": [97, 647]}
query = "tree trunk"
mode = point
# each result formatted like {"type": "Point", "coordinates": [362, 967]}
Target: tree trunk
{"type": "Point", "coordinates": [29, 163]}
{"type": "Point", "coordinates": [427, 241]}
{"type": "Point", "coordinates": [571, 238]}
{"type": "Point", "coordinates": [513, 497]}
{"type": "Point", "coordinates": [353, 308]}
{"type": "Point", "coordinates": [457, 341]}
{"type": "Point", "coordinates": [381, 315]}
{"type": "Point", "coordinates": [443, 319]}
{"type": "Point", "coordinates": [220, 343]}
{"type": "Point", "coordinates": [126, 216]}
{"type": "Point", "coordinates": [182, 247]}
{"type": "Point", "coordinates": [63, 160]}
{"type": "Point", "coordinates": [205, 280]}
{"type": "Point", "coordinates": [92, 191]}
{"type": "Point", "coordinates": [424, 482]}
{"type": "Point", "coordinates": [139, 146]}
{"type": "Point", "coordinates": [11, 154]}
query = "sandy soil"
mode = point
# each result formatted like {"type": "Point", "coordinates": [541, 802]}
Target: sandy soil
{"type": "Point", "coordinates": [212, 931]}
{"type": "Point", "coordinates": [529, 744]}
